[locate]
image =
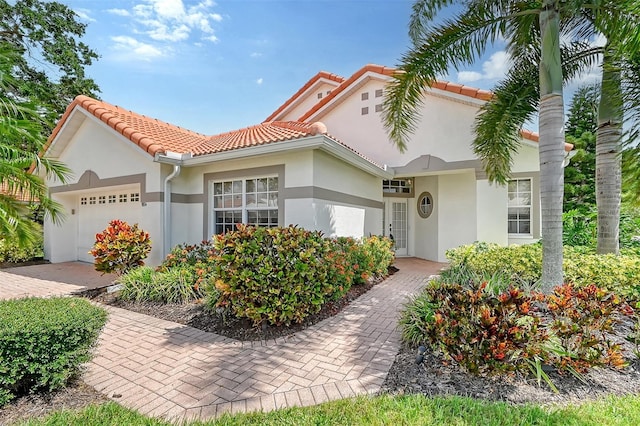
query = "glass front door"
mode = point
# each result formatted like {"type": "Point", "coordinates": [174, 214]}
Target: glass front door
{"type": "Point", "coordinates": [395, 226]}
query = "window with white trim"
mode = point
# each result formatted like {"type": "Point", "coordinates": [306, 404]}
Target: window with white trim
{"type": "Point", "coordinates": [519, 207]}
{"type": "Point", "coordinates": [250, 201]}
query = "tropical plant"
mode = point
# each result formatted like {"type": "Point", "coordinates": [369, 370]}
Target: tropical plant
{"type": "Point", "coordinates": [120, 248]}
{"type": "Point", "coordinates": [532, 32]}
{"type": "Point", "coordinates": [22, 170]}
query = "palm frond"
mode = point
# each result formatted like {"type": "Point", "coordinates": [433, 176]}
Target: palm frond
{"type": "Point", "coordinates": [498, 124]}
{"type": "Point", "coordinates": [459, 41]}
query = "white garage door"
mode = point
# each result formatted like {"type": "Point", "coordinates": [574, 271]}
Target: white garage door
{"type": "Point", "coordinates": [97, 209]}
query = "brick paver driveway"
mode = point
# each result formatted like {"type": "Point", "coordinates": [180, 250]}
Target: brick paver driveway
{"type": "Point", "coordinates": [165, 369]}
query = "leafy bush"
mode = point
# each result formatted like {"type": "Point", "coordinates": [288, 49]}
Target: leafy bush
{"type": "Point", "coordinates": [11, 252]}
{"type": "Point", "coordinates": [120, 247]}
{"type": "Point", "coordinates": [175, 285]}
{"type": "Point", "coordinates": [273, 275]}
{"type": "Point", "coordinates": [581, 319]}
{"type": "Point", "coordinates": [523, 265]}
{"type": "Point", "coordinates": [199, 256]}
{"type": "Point", "coordinates": [44, 341]}
{"type": "Point", "coordinates": [380, 250]}
{"type": "Point", "coordinates": [341, 272]}
{"type": "Point", "coordinates": [580, 228]}
{"type": "Point", "coordinates": [481, 330]}
{"type": "Point", "coordinates": [369, 258]}
{"type": "Point", "coordinates": [487, 328]}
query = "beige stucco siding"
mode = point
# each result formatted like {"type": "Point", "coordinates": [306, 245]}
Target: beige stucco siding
{"type": "Point", "coordinates": [103, 163]}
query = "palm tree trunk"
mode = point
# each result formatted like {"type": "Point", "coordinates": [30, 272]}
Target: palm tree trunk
{"type": "Point", "coordinates": [608, 166]}
{"type": "Point", "coordinates": [551, 146]}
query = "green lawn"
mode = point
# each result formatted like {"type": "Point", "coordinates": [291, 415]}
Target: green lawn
{"type": "Point", "coordinates": [386, 410]}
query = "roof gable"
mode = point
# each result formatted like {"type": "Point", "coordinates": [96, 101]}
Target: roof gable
{"type": "Point", "coordinates": [321, 76]}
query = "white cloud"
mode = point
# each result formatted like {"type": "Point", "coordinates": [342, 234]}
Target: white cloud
{"type": "Point", "coordinates": [469, 76]}
{"type": "Point", "coordinates": [119, 12]}
{"type": "Point", "coordinates": [130, 48]}
{"type": "Point", "coordinates": [255, 54]}
{"type": "Point", "coordinates": [171, 21]}
{"type": "Point", "coordinates": [259, 81]}
{"type": "Point", "coordinates": [494, 68]}
{"type": "Point", "coordinates": [84, 14]}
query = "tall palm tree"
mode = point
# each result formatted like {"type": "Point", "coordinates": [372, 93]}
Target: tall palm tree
{"type": "Point", "coordinates": [461, 41]}
{"type": "Point", "coordinates": [532, 31]}
{"type": "Point", "coordinates": [515, 101]}
{"type": "Point", "coordinates": [21, 170]}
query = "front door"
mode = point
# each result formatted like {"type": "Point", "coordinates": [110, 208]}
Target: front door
{"type": "Point", "coordinates": [395, 224]}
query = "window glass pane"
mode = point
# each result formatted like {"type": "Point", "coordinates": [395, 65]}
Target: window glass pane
{"type": "Point", "coordinates": [263, 200]}
{"type": "Point", "coordinates": [251, 185]}
{"type": "Point", "coordinates": [524, 213]}
{"type": "Point", "coordinates": [513, 186]}
{"type": "Point", "coordinates": [513, 214]}
{"type": "Point", "coordinates": [524, 185]}
{"type": "Point", "coordinates": [513, 227]}
{"type": "Point", "coordinates": [226, 187]}
{"type": "Point", "coordinates": [217, 188]}
{"type": "Point", "coordinates": [524, 228]}
{"type": "Point", "coordinates": [237, 186]}
{"type": "Point", "coordinates": [237, 200]}
{"type": "Point", "coordinates": [217, 202]}
{"type": "Point", "coordinates": [262, 184]}
{"type": "Point", "coordinates": [251, 200]}
{"type": "Point", "coordinates": [273, 184]}
{"type": "Point", "coordinates": [273, 200]}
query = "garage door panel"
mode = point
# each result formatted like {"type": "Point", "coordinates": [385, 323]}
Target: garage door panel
{"type": "Point", "coordinates": [95, 212]}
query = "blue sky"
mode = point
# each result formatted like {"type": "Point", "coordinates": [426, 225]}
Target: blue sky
{"type": "Point", "coordinates": [218, 66]}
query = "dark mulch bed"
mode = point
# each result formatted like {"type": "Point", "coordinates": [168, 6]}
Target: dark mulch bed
{"type": "Point", "coordinates": [197, 315]}
{"type": "Point", "coordinates": [435, 377]}
{"type": "Point", "coordinates": [4, 265]}
{"type": "Point", "coordinates": [75, 396]}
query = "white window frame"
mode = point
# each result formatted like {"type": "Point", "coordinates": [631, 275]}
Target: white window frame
{"type": "Point", "coordinates": [520, 206]}
{"type": "Point", "coordinates": [244, 208]}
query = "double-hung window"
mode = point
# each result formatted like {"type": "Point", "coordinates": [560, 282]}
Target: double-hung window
{"type": "Point", "coordinates": [251, 201]}
{"type": "Point", "coordinates": [519, 213]}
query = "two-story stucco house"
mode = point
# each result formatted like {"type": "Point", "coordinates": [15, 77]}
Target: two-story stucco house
{"type": "Point", "coordinates": [322, 160]}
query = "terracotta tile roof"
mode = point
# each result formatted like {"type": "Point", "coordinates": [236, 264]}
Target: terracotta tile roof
{"type": "Point", "coordinates": [152, 135]}
{"type": "Point", "coordinates": [535, 137]}
{"type": "Point", "coordinates": [261, 134]}
{"type": "Point", "coordinates": [307, 85]}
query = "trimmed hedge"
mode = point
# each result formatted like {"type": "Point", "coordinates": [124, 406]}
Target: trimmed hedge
{"type": "Point", "coordinates": [44, 341]}
{"type": "Point", "coordinates": [523, 264]}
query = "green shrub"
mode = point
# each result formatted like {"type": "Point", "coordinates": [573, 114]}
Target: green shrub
{"type": "Point", "coordinates": [273, 275]}
{"type": "Point", "coordinates": [380, 250]}
{"type": "Point", "coordinates": [341, 272]}
{"type": "Point", "coordinates": [580, 228]}
{"type": "Point", "coordinates": [481, 330]}
{"type": "Point", "coordinates": [581, 318]}
{"type": "Point", "coordinates": [120, 247]}
{"type": "Point", "coordinates": [199, 256]}
{"type": "Point", "coordinates": [487, 328]}
{"type": "Point", "coordinates": [178, 284]}
{"type": "Point", "coordinates": [523, 265]}
{"type": "Point", "coordinates": [44, 341]}
{"type": "Point", "coordinates": [13, 253]}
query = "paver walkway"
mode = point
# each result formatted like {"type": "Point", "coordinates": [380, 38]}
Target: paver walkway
{"type": "Point", "coordinates": [165, 369]}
